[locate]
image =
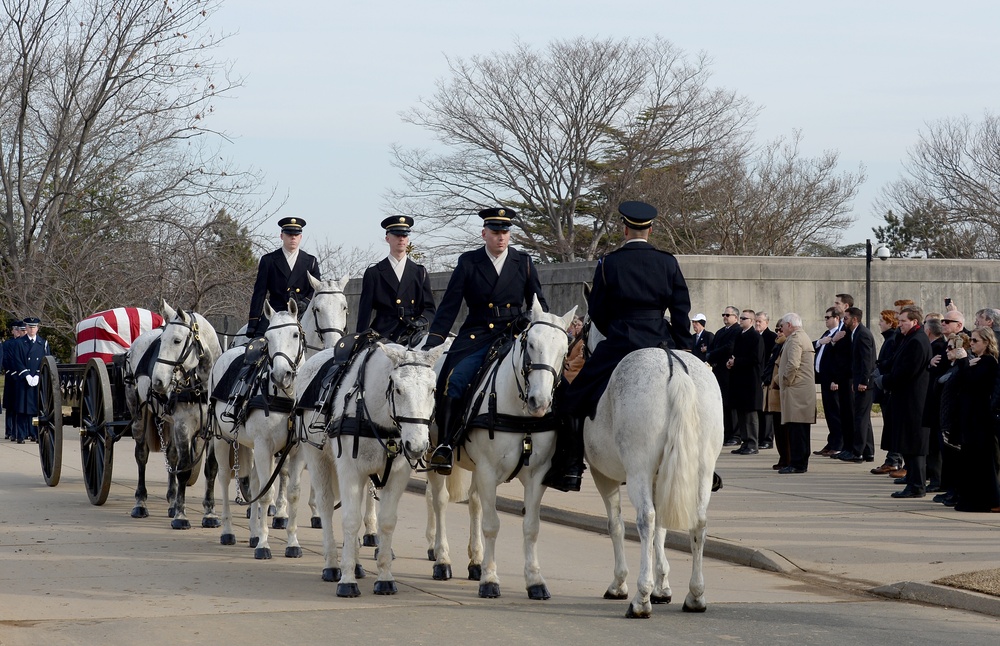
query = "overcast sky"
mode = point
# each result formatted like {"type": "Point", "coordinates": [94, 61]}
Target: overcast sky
{"type": "Point", "coordinates": [325, 81]}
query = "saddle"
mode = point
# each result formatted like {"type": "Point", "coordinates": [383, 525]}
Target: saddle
{"type": "Point", "coordinates": [145, 366]}
{"type": "Point", "coordinates": [318, 395]}
{"type": "Point", "coordinates": [241, 380]}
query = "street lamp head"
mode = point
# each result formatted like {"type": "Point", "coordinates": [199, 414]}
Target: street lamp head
{"type": "Point", "coordinates": [883, 252]}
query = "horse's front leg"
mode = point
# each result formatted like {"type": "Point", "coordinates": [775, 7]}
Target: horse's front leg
{"type": "Point", "coordinates": [210, 518]}
{"type": "Point", "coordinates": [324, 487]}
{"type": "Point", "coordinates": [141, 458]}
{"type": "Point", "coordinates": [475, 534]}
{"type": "Point", "coordinates": [610, 491]}
{"type": "Point", "coordinates": [486, 484]}
{"type": "Point", "coordinates": [440, 552]}
{"type": "Point", "coordinates": [258, 515]}
{"type": "Point", "coordinates": [695, 600]}
{"type": "Point", "coordinates": [225, 476]}
{"type": "Point", "coordinates": [640, 491]}
{"type": "Point", "coordinates": [295, 465]}
{"type": "Point", "coordinates": [280, 520]}
{"type": "Point", "coordinates": [534, 582]}
{"type": "Point", "coordinates": [352, 492]}
{"type": "Point", "coordinates": [180, 520]}
{"type": "Point", "coordinates": [387, 517]}
{"type": "Point", "coordinates": [263, 464]}
{"type": "Point", "coordinates": [370, 537]}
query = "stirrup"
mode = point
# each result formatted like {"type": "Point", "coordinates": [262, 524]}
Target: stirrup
{"type": "Point", "coordinates": [441, 460]}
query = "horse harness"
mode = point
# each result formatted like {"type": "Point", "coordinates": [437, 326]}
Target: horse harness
{"type": "Point", "coordinates": [494, 421]}
{"type": "Point", "coordinates": [324, 330]}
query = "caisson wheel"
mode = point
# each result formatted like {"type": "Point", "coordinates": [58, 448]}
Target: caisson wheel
{"type": "Point", "coordinates": [50, 422]}
{"type": "Point", "coordinates": [96, 437]}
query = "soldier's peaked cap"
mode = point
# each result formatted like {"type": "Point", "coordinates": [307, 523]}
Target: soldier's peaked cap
{"type": "Point", "coordinates": [32, 320]}
{"type": "Point", "coordinates": [398, 225]}
{"type": "Point", "coordinates": [637, 215]}
{"type": "Point", "coordinates": [497, 219]}
{"type": "Point", "coordinates": [291, 225]}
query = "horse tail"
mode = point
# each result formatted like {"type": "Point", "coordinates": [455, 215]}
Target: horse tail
{"type": "Point", "coordinates": [678, 483]}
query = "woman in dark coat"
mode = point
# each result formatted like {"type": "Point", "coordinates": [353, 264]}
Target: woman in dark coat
{"type": "Point", "coordinates": [978, 490]}
{"type": "Point", "coordinates": [888, 324]}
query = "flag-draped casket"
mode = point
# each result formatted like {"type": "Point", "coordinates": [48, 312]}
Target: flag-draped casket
{"type": "Point", "coordinates": [112, 332]}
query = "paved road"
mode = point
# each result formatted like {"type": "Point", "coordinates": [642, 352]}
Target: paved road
{"type": "Point", "coordinates": [73, 573]}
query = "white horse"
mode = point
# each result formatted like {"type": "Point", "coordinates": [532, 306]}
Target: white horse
{"type": "Point", "coordinates": [392, 387]}
{"type": "Point", "coordinates": [658, 428]}
{"type": "Point", "coordinates": [168, 401]}
{"type": "Point", "coordinates": [524, 384]}
{"type": "Point", "coordinates": [251, 444]}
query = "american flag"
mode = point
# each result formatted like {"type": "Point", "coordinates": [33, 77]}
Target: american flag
{"type": "Point", "coordinates": [112, 332]}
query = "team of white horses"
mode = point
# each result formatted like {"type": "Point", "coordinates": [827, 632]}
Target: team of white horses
{"type": "Point", "coordinates": [658, 428]}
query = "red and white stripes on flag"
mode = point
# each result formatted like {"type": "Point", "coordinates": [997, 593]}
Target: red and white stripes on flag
{"type": "Point", "coordinates": [112, 332]}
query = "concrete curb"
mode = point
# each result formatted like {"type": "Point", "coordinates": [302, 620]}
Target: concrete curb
{"type": "Point", "coordinates": [939, 595]}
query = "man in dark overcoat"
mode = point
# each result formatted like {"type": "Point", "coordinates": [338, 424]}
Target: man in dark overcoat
{"type": "Point", "coordinates": [396, 290]}
{"type": "Point", "coordinates": [745, 392]}
{"type": "Point", "coordinates": [906, 385]}
{"type": "Point", "coordinates": [861, 438]}
{"type": "Point", "coordinates": [28, 353]}
{"type": "Point", "coordinates": [718, 356]}
{"type": "Point", "coordinates": [10, 382]}
{"type": "Point", "coordinates": [633, 286]}
{"type": "Point", "coordinates": [498, 284]}
{"type": "Point", "coordinates": [282, 275]}
{"type": "Point", "coordinates": [765, 422]}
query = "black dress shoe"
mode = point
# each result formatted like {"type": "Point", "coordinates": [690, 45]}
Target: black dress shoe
{"type": "Point", "coordinates": [908, 493]}
{"type": "Point", "coordinates": [823, 451]}
{"type": "Point", "coordinates": [765, 445]}
{"type": "Point", "coordinates": [746, 450]}
{"type": "Point", "coordinates": [732, 442]}
{"type": "Point", "coordinates": [869, 458]}
{"type": "Point", "coordinates": [941, 497]}
{"type": "Point", "coordinates": [899, 481]}
{"type": "Point", "coordinates": [785, 470]}
{"type": "Point", "coordinates": [842, 455]}
{"type": "Point", "coordinates": [847, 456]}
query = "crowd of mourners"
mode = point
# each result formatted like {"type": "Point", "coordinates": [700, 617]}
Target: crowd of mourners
{"type": "Point", "coordinates": [933, 377]}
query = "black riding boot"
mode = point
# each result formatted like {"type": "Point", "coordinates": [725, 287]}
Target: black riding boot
{"type": "Point", "coordinates": [567, 468]}
{"type": "Point", "coordinates": [449, 423]}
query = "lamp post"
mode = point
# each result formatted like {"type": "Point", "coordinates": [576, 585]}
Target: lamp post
{"type": "Point", "coordinates": [882, 253]}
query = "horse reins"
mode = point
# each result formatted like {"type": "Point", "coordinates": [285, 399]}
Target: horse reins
{"type": "Point", "coordinates": [324, 330]}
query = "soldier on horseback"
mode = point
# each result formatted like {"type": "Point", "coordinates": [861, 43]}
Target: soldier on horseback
{"type": "Point", "coordinates": [498, 284]}
{"type": "Point", "coordinates": [633, 286]}
{"type": "Point", "coordinates": [396, 290]}
{"type": "Point", "coordinates": [282, 276]}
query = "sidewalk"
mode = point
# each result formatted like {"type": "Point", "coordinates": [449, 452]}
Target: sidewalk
{"type": "Point", "coordinates": [836, 524]}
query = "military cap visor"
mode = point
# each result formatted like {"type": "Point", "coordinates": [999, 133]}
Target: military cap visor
{"type": "Point", "coordinates": [497, 219]}
{"type": "Point", "coordinates": [398, 225]}
{"type": "Point", "coordinates": [31, 320]}
{"type": "Point", "coordinates": [291, 225]}
{"type": "Point", "coordinates": [637, 215]}
{"type": "Point", "coordinates": [17, 325]}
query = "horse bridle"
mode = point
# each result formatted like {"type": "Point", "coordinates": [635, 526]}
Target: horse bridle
{"type": "Point", "coordinates": [324, 330]}
{"type": "Point", "coordinates": [527, 367]}
{"type": "Point", "coordinates": [193, 340]}
{"type": "Point", "coordinates": [294, 365]}
{"type": "Point", "coordinates": [390, 394]}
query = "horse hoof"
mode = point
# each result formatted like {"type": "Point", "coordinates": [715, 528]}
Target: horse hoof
{"type": "Point", "coordinates": [348, 590]}
{"type": "Point", "coordinates": [180, 523]}
{"type": "Point", "coordinates": [442, 572]}
{"type": "Point", "coordinates": [331, 574]}
{"type": "Point", "coordinates": [687, 608]}
{"type": "Point", "coordinates": [392, 551]}
{"type": "Point", "coordinates": [228, 539]}
{"type": "Point", "coordinates": [369, 540]}
{"type": "Point", "coordinates": [475, 572]}
{"type": "Point", "coordinates": [272, 510]}
{"type": "Point", "coordinates": [385, 587]}
{"type": "Point", "coordinates": [658, 599]}
{"type": "Point", "coordinates": [293, 552]}
{"type": "Point", "coordinates": [430, 554]}
{"type": "Point", "coordinates": [616, 596]}
{"type": "Point", "coordinates": [140, 512]}
{"type": "Point", "coordinates": [279, 523]}
{"type": "Point", "coordinates": [254, 540]}
{"type": "Point", "coordinates": [359, 572]}
{"type": "Point", "coordinates": [489, 590]}
{"type": "Point", "coordinates": [316, 522]}
{"type": "Point", "coordinates": [262, 553]}
{"type": "Point", "coordinates": [248, 512]}
{"type": "Point", "coordinates": [632, 614]}
{"type": "Point", "coordinates": [170, 512]}
{"type": "Point", "coordinates": [210, 523]}
{"type": "Point", "coordinates": [538, 592]}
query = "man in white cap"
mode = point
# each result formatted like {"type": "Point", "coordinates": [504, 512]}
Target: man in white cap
{"type": "Point", "coordinates": [29, 351]}
{"type": "Point", "coordinates": [281, 276]}
{"type": "Point", "coordinates": [702, 337]}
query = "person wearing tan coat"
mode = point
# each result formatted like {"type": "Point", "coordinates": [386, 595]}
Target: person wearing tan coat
{"type": "Point", "coordinates": [797, 391]}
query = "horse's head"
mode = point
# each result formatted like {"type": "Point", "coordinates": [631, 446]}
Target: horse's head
{"type": "Point", "coordinates": [325, 320]}
{"type": "Point", "coordinates": [410, 394]}
{"type": "Point", "coordinates": [181, 351]}
{"type": "Point", "coordinates": [286, 345]}
{"type": "Point", "coordinates": [543, 349]}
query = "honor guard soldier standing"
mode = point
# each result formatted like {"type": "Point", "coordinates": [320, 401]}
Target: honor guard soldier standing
{"type": "Point", "coordinates": [10, 378]}
{"type": "Point", "coordinates": [498, 284]}
{"type": "Point", "coordinates": [633, 286]}
{"type": "Point", "coordinates": [396, 289]}
{"type": "Point", "coordinates": [281, 275]}
{"type": "Point", "coordinates": [28, 351]}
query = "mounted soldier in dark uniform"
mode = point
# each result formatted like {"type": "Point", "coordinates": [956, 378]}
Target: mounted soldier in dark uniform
{"type": "Point", "coordinates": [281, 276]}
{"type": "Point", "coordinates": [498, 284]}
{"type": "Point", "coordinates": [396, 290]}
{"type": "Point", "coordinates": [633, 286]}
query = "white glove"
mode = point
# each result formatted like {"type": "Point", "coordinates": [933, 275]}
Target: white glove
{"type": "Point", "coordinates": [32, 380]}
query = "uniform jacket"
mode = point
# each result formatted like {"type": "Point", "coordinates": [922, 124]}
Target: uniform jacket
{"type": "Point", "coordinates": [494, 301]}
{"type": "Point", "coordinates": [744, 377]}
{"type": "Point", "coordinates": [277, 283]}
{"type": "Point", "coordinates": [27, 360]}
{"type": "Point", "coordinates": [906, 386]}
{"type": "Point", "coordinates": [796, 380]}
{"type": "Point", "coordinates": [394, 302]}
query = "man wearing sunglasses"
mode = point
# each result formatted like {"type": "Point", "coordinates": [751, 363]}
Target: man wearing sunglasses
{"type": "Point", "coordinates": [718, 356]}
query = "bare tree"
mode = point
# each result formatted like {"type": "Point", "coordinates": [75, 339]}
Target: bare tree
{"type": "Point", "coordinates": [953, 171]}
{"type": "Point", "coordinates": [562, 136]}
{"type": "Point", "coordinates": [103, 112]}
